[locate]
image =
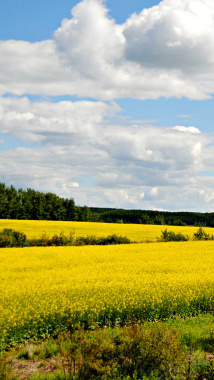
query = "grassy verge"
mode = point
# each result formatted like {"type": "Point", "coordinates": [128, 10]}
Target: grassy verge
{"type": "Point", "coordinates": [178, 349]}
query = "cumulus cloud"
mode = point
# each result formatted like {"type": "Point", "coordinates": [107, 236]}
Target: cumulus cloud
{"type": "Point", "coordinates": [167, 50]}
{"type": "Point", "coordinates": [46, 122]}
{"type": "Point", "coordinates": [97, 162]}
{"type": "Point", "coordinates": [172, 35]}
{"type": "Point", "coordinates": [90, 36]}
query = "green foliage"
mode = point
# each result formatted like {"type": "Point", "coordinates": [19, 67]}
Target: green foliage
{"type": "Point", "coordinates": [134, 352]}
{"type": "Point", "coordinates": [94, 240]}
{"type": "Point", "coordinates": [130, 353]}
{"type": "Point", "coordinates": [62, 239]}
{"type": "Point", "coordinates": [33, 205]}
{"type": "Point", "coordinates": [11, 238]}
{"type": "Point", "coordinates": [172, 236]}
{"type": "Point", "coordinates": [159, 220]}
{"type": "Point", "coordinates": [3, 369]}
{"type": "Point", "coordinates": [178, 222]}
{"type": "Point", "coordinates": [202, 235]}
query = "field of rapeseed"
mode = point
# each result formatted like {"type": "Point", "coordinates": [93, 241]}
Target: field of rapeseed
{"type": "Point", "coordinates": [135, 232]}
{"type": "Point", "coordinates": [46, 289]}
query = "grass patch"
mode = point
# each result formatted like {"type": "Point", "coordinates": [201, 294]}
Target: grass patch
{"type": "Point", "coordinates": [152, 351]}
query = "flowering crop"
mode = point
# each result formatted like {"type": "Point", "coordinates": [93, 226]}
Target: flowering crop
{"type": "Point", "coordinates": [44, 290]}
{"type": "Point", "coordinates": [135, 232]}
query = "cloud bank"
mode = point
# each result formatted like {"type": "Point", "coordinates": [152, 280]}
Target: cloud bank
{"type": "Point", "coordinates": [79, 153]}
{"type": "Point", "coordinates": [83, 149]}
{"type": "Point", "coordinates": [167, 50]}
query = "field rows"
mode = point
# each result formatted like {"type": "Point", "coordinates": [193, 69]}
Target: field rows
{"type": "Point", "coordinates": [46, 289]}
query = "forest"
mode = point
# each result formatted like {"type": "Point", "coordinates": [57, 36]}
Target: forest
{"type": "Point", "coordinates": [34, 205]}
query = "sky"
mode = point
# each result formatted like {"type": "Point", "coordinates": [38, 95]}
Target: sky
{"type": "Point", "coordinates": [109, 102]}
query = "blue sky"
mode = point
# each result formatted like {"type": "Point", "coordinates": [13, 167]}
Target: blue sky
{"type": "Point", "coordinates": [112, 106]}
{"type": "Point", "coordinates": [36, 20]}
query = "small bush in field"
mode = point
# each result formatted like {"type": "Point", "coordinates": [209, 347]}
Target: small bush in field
{"type": "Point", "coordinates": [10, 238]}
{"type": "Point", "coordinates": [93, 240]}
{"type": "Point", "coordinates": [62, 239]}
{"type": "Point", "coordinates": [172, 236]}
{"type": "Point", "coordinates": [202, 235]}
{"type": "Point", "coordinates": [114, 239]}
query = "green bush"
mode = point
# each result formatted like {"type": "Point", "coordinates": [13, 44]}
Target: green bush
{"type": "Point", "coordinates": [128, 353]}
{"type": "Point", "coordinates": [172, 236]}
{"type": "Point", "coordinates": [10, 238]}
{"type": "Point", "coordinates": [93, 240]}
{"type": "Point", "coordinates": [62, 239]}
{"type": "Point", "coordinates": [114, 239]}
{"type": "Point", "coordinates": [202, 235]}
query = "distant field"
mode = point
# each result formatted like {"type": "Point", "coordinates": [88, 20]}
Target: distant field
{"type": "Point", "coordinates": [47, 289]}
{"type": "Point", "coordinates": [135, 232]}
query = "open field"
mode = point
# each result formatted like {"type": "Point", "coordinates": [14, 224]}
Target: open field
{"type": "Point", "coordinates": [135, 232]}
{"type": "Point", "coordinates": [46, 289]}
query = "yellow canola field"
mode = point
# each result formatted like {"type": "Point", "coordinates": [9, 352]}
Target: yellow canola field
{"type": "Point", "coordinates": [45, 289]}
{"type": "Point", "coordinates": [135, 232]}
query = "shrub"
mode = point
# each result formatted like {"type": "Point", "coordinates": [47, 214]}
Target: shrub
{"type": "Point", "coordinates": [114, 239]}
{"type": "Point", "coordinates": [62, 239]}
{"type": "Point", "coordinates": [56, 240]}
{"type": "Point", "coordinates": [11, 238]}
{"type": "Point", "coordinates": [110, 239]}
{"type": "Point", "coordinates": [202, 235]}
{"type": "Point", "coordinates": [133, 352]}
{"type": "Point", "coordinates": [172, 236]}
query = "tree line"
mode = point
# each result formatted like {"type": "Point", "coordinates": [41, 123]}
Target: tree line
{"type": "Point", "coordinates": [34, 205]}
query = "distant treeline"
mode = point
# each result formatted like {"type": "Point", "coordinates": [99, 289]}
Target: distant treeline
{"type": "Point", "coordinates": [34, 205]}
{"type": "Point", "coordinates": [178, 218]}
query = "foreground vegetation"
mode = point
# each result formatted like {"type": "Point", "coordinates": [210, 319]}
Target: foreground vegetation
{"type": "Point", "coordinates": [181, 350]}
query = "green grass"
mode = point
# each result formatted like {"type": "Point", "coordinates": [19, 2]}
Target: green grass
{"type": "Point", "coordinates": [196, 332]}
{"type": "Point", "coordinates": [195, 335]}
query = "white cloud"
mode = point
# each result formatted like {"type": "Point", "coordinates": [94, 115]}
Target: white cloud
{"type": "Point", "coordinates": [100, 163]}
{"type": "Point", "coordinates": [167, 50]}
{"type": "Point", "coordinates": [90, 41]}
{"type": "Point", "coordinates": [46, 121]}
{"type": "Point", "coordinates": [172, 35]}
{"type": "Point", "coordinates": [154, 192]}
{"type": "Point", "coordinates": [186, 129]}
